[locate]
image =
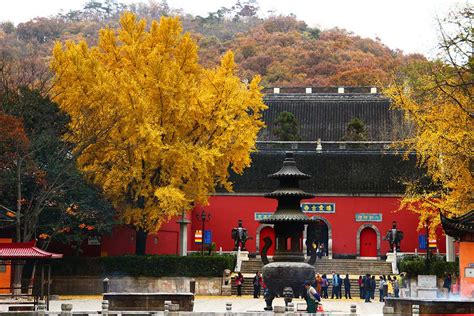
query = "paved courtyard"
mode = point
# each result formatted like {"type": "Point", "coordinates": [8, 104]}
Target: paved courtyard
{"type": "Point", "coordinates": [239, 304]}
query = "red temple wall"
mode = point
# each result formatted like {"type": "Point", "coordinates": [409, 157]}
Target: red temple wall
{"type": "Point", "coordinates": [227, 210]}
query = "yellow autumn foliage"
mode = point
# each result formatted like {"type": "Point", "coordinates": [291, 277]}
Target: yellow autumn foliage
{"type": "Point", "coordinates": [441, 108]}
{"type": "Point", "coordinates": [152, 127]}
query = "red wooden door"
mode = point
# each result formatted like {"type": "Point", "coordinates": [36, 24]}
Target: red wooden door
{"type": "Point", "coordinates": [368, 243]}
{"type": "Point", "coordinates": [267, 232]}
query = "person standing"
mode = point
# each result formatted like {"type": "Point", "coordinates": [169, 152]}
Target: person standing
{"type": "Point", "coordinates": [257, 284]}
{"type": "Point", "coordinates": [389, 287]}
{"type": "Point", "coordinates": [339, 286]}
{"type": "Point", "coordinates": [312, 298]}
{"type": "Point", "coordinates": [385, 287]}
{"type": "Point", "coordinates": [335, 284]}
{"type": "Point", "coordinates": [359, 282]}
{"type": "Point", "coordinates": [324, 286]}
{"type": "Point", "coordinates": [373, 286]}
{"type": "Point", "coordinates": [396, 287]}
{"type": "Point", "coordinates": [347, 287]}
{"type": "Point", "coordinates": [367, 287]}
{"type": "Point", "coordinates": [321, 250]}
{"type": "Point", "coordinates": [447, 285]}
{"type": "Point", "coordinates": [381, 286]}
{"type": "Point", "coordinates": [318, 281]}
{"type": "Point", "coordinates": [239, 281]}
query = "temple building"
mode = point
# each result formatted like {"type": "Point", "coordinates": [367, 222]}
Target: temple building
{"type": "Point", "coordinates": [462, 228]}
{"type": "Point", "coordinates": [357, 186]}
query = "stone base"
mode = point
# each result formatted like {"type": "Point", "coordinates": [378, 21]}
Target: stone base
{"type": "Point", "coordinates": [226, 290]}
{"type": "Point", "coordinates": [391, 256]}
{"type": "Point", "coordinates": [148, 301]}
{"type": "Point", "coordinates": [427, 293]}
{"type": "Point", "coordinates": [403, 306]}
{"type": "Point", "coordinates": [244, 256]}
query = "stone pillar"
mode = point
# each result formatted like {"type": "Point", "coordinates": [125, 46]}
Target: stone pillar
{"type": "Point", "coordinates": [329, 248]}
{"type": "Point", "coordinates": [41, 308]}
{"type": "Point", "coordinates": [66, 309]}
{"type": "Point", "coordinates": [183, 235]}
{"type": "Point", "coordinates": [105, 307]}
{"type": "Point", "coordinates": [174, 310]}
{"type": "Point", "coordinates": [353, 309]}
{"type": "Point", "coordinates": [450, 253]}
{"type": "Point", "coordinates": [279, 310]}
{"type": "Point", "coordinates": [415, 310]}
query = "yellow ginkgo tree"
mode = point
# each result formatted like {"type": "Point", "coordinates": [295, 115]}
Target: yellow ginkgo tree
{"type": "Point", "coordinates": [437, 97]}
{"type": "Point", "coordinates": [152, 127]}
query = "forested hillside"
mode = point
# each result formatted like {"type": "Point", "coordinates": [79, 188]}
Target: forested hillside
{"type": "Point", "coordinates": [285, 51]}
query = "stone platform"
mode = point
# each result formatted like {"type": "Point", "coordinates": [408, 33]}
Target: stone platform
{"type": "Point", "coordinates": [148, 301]}
{"type": "Point", "coordinates": [212, 305]}
{"type": "Point", "coordinates": [403, 306]}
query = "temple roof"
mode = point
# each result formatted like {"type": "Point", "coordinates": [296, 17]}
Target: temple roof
{"type": "Point", "coordinates": [344, 173]}
{"type": "Point", "coordinates": [326, 115]}
{"type": "Point", "coordinates": [24, 250]}
{"type": "Point", "coordinates": [458, 226]}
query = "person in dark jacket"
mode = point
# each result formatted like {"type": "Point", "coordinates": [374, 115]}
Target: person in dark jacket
{"type": "Point", "coordinates": [257, 283]}
{"type": "Point", "coordinates": [373, 286]}
{"type": "Point", "coordinates": [447, 285]}
{"type": "Point", "coordinates": [367, 286]}
{"type": "Point", "coordinates": [347, 287]}
{"type": "Point", "coordinates": [339, 288]}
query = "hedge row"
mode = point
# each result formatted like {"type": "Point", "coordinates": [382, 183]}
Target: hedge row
{"type": "Point", "coordinates": [150, 265]}
{"type": "Point", "coordinates": [416, 265]}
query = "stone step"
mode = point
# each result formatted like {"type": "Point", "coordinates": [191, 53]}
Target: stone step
{"type": "Point", "coordinates": [247, 288]}
{"type": "Point", "coordinates": [326, 266]}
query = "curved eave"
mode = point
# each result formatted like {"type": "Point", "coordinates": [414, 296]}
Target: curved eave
{"type": "Point", "coordinates": [285, 219]}
{"type": "Point", "coordinates": [460, 226]}
{"type": "Point", "coordinates": [289, 193]}
{"type": "Point", "coordinates": [292, 175]}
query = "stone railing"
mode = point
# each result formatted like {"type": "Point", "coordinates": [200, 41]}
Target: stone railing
{"type": "Point", "coordinates": [171, 309]}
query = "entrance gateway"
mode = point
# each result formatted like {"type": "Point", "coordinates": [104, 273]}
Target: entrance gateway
{"type": "Point", "coordinates": [320, 230]}
{"type": "Point", "coordinates": [368, 242]}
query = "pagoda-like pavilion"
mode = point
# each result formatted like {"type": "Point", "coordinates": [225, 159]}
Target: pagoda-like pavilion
{"type": "Point", "coordinates": [462, 228]}
{"type": "Point", "coordinates": [20, 254]}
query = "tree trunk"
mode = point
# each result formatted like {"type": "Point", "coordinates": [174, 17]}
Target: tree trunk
{"type": "Point", "coordinates": [140, 242]}
{"type": "Point", "coordinates": [31, 284]}
{"type": "Point", "coordinates": [17, 278]}
{"type": "Point", "coordinates": [18, 200]}
{"type": "Point", "coordinates": [18, 268]}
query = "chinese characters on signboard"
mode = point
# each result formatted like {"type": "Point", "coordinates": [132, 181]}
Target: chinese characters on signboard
{"type": "Point", "coordinates": [318, 207]}
{"type": "Point", "coordinates": [368, 217]}
{"type": "Point", "coordinates": [262, 215]}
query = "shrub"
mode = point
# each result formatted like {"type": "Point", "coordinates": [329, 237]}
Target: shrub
{"type": "Point", "coordinates": [150, 265]}
{"type": "Point", "coordinates": [412, 265]}
{"type": "Point", "coordinates": [416, 265]}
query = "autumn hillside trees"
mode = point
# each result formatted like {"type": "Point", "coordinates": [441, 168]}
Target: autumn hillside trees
{"type": "Point", "coordinates": [152, 127]}
{"type": "Point", "coordinates": [438, 98]}
{"type": "Point", "coordinates": [38, 177]}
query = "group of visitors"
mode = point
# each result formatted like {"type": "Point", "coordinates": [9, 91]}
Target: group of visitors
{"type": "Point", "coordinates": [388, 287]}
{"type": "Point", "coordinates": [257, 283]}
{"type": "Point", "coordinates": [322, 283]}
{"type": "Point", "coordinates": [316, 247]}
